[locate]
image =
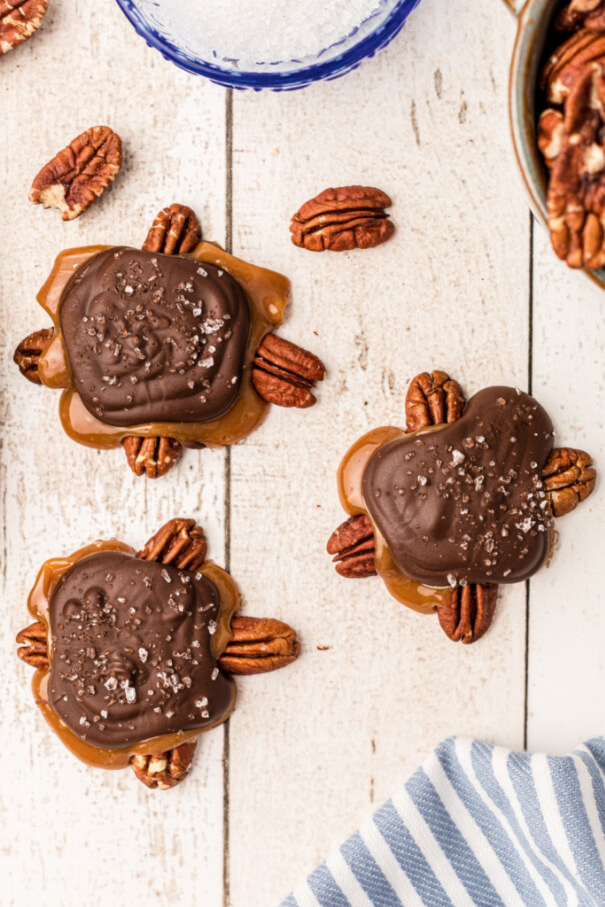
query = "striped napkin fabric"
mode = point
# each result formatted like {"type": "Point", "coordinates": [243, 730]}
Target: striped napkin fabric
{"type": "Point", "coordinates": [477, 825]}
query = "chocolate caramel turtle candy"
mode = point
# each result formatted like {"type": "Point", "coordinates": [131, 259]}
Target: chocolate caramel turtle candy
{"type": "Point", "coordinates": [135, 652]}
{"type": "Point", "coordinates": [461, 501]}
{"type": "Point", "coordinates": [165, 347]}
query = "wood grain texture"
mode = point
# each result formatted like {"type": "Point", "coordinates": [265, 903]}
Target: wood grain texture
{"type": "Point", "coordinates": [70, 834]}
{"type": "Point", "coordinates": [311, 751]}
{"type": "Point", "coordinates": [344, 727]}
{"type": "Point", "coordinates": [567, 619]}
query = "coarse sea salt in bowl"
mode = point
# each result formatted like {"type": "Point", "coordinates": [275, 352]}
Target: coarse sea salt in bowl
{"type": "Point", "coordinates": [276, 44]}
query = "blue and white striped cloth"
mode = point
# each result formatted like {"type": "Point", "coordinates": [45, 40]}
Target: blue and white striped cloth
{"type": "Point", "coordinates": [477, 825]}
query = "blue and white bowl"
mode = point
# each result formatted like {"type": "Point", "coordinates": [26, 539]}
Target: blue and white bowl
{"type": "Point", "coordinates": [150, 20]}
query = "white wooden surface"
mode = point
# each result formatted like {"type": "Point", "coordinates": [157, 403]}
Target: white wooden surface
{"type": "Point", "coordinates": [467, 284]}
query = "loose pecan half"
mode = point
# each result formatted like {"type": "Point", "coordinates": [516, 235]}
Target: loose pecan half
{"type": "Point", "coordinates": [284, 373]}
{"type": "Point", "coordinates": [175, 231]}
{"type": "Point", "coordinates": [569, 478]}
{"type": "Point", "coordinates": [469, 613]}
{"type": "Point", "coordinates": [433, 399]}
{"type": "Point", "coordinates": [350, 217]}
{"type": "Point", "coordinates": [179, 542]}
{"type": "Point", "coordinates": [587, 13]}
{"type": "Point", "coordinates": [352, 545]}
{"type": "Point", "coordinates": [19, 19]}
{"type": "Point", "coordinates": [164, 770]}
{"type": "Point", "coordinates": [153, 457]}
{"type": "Point", "coordinates": [27, 355]}
{"type": "Point", "coordinates": [80, 173]}
{"type": "Point", "coordinates": [259, 645]}
{"type": "Point", "coordinates": [34, 645]}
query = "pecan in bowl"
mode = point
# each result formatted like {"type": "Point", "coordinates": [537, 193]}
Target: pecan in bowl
{"type": "Point", "coordinates": [571, 136]}
{"type": "Point", "coordinates": [461, 501]}
{"type": "Point", "coordinates": [189, 357]}
{"type": "Point", "coordinates": [153, 642]}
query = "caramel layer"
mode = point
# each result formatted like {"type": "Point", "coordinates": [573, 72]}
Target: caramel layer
{"type": "Point", "coordinates": [267, 294]}
{"type": "Point", "coordinates": [38, 605]}
{"type": "Point", "coordinates": [414, 595]}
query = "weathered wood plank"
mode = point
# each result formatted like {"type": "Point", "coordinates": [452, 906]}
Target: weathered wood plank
{"type": "Point", "coordinates": [71, 834]}
{"type": "Point", "coordinates": [567, 620]}
{"type": "Point", "coordinates": [315, 747]}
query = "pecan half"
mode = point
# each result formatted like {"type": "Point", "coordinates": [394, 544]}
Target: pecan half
{"type": "Point", "coordinates": [27, 355]}
{"type": "Point", "coordinates": [551, 132]}
{"type": "Point", "coordinates": [569, 478]}
{"type": "Point", "coordinates": [433, 399]}
{"type": "Point", "coordinates": [587, 13]}
{"type": "Point", "coordinates": [179, 542]}
{"type": "Point", "coordinates": [80, 173]}
{"type": "Point", "coordinates": [259, 645]}
{"type": "Point", "coordinates": [19, 19]}
{"type": "Point", "coordinates": [350, 217]}
{"type": "Point", "coordinates": [164, 770]}
{"type": "Point", "coordinates": [153, 457]}
{"type": "Point", "coordinates": [576, 193]}
{"type": "Point", "coordinates": [284, 373]}
{"type": "Point", "coordinates": [352, 545]}
{"type": "Point", "coordinates": [568, 64]}
{"type": "Point", "coordinates": [34, 645]}
{"type": "Point", "coordinates": [175, 231]}
{"type": "Point", "coordinates": [469, 613]}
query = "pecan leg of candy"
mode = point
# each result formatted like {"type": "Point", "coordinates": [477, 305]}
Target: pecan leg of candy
{"type": "Point", "coordinates": [165, 347]}
{"type": "Point", "coordinates": [484, 472]}
{"type": "Point", "coordinates": [135, 652]}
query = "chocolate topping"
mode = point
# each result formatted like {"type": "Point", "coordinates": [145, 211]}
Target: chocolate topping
{"type": "Point", "coordinates": [131, 651]}
{"type": "Point", "coordinates": [465, 503]}
{"type": "Point", "coordinates": [152, 338]}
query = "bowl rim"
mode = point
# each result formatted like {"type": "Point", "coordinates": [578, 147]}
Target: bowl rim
{"type": "Point", "coordinates": [296, 78]}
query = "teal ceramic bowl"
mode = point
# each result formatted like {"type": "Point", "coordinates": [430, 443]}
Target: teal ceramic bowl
{"type": "Point", "coordinates": [534, 23]}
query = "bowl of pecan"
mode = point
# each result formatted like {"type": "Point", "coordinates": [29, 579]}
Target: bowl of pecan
{"type": "Point", "coordinates": [557, 107]}
{"type": "Point", "coordinates": [462, 500]}
{"type": "Point", "coordinates": [165, 347]}
{"type": "Point", "coordinates": [262, 44]}
{"type": "Point", "coordinates": [135, 653]}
